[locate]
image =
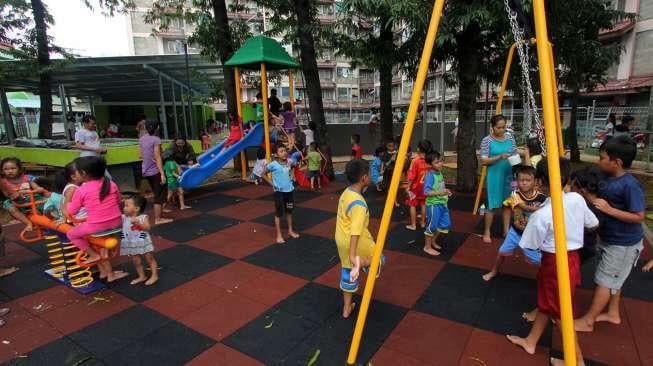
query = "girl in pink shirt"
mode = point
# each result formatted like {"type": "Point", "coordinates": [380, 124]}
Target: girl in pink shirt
{"type": "Point", "coordinates": [101, 199]}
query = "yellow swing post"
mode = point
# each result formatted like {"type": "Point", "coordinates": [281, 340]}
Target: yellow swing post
{"type": "Point", "coordinates": [547, 82]}
{"type": "Point", "coordinates": [264, 93]}
{"type": "Point", "coordinates": [396, 176]}
{"type": "Point", "coordinates": [561, 144]}
{"type": "Point", "coordinates": [243, 159]}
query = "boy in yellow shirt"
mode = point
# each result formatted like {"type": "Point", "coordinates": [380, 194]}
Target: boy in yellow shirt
{"type": "Point", "coordinates": [353, 238]}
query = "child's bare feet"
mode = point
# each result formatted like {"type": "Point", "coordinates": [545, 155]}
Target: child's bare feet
{"type": "Point", "coordinates": [411, 227]}
{"type": "Point", "coordinates": [487, 239]}
{"type": "Point", "coordinates": [490, 275]}
{"type": "Point", "coordinates": [610, 318]}
{"type": "Point", "coordinates": [530, 316]}
{"type": "Point", "coordinates": [280, 240]}
{"type": "Point", "coordinates": [430, 251]}
{"type": "Point", "coordinates": [293, 234]}
{"type": "Point", "coordinates": [162, 221]}
{"type": "Point", "coordinates": [116, 275]}
{"type": "Point", "coordinates": [647, 267]}
{"type": "Point", "coordinates": [29, 227]}
{"type": "Point", "coordinates": [7, 271]}
{"type": "Point", "coordinates": [92, 259]}
{"type": "Point", "coordinates": [435, 245]}
{"type": "Point", "coordinates": [346, 311]}
{"type": "Point", "coordinates": [582, 325]}
{"type": "Point", "coordinates": [152, 280]}
{"type": "Point", "coordinates": [184, 207]}
{"type": "Point", "coordinates": [523, 343]}
{"type": "Point", "coordinates": [138, 280]}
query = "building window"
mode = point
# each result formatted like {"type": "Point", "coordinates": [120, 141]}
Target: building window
{"type": "Point", "coordinates": [325, 9]}
{"type": "Point", "coordinates": [176, 24]}
{"type": "Point", "coordinates": [326, 74]}
{"type": "Point", "coordinates": [173, 46]}
{"type": "Point", "coordinates": [343, 93]}
{"type": "Point", "coordinates": [285, 92]}
{"type": "Point", "coordinates": [344, 72]}
{"type": "Point", "coordinates": [328, 94]}
{"type": "Point", "coordinates": [642, 64]}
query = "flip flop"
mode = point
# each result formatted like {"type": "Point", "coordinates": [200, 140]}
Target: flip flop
{"type": "Point", "coordinates": [9, 271]}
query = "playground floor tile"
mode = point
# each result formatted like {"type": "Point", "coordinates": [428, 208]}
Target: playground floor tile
{"type": "Point", "coordinates": [229, 295]}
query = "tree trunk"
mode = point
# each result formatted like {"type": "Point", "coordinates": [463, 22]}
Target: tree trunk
{"type": "Point", "coordinates": [312, 78]}
{"type": "Point", "coordinates": [572, 137]}
{"type": "Point", "coordinates": [468, 71]}
{"type": "Point", "coordinates": [225, 47]}
{"type": "Point", "coordinates": [43, 57]}
{"type": "Point", "coordinates": [385, 93]}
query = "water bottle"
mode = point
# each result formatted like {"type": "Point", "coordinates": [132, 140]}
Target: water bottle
{"type": "Point", "coordinates": [482, 210]}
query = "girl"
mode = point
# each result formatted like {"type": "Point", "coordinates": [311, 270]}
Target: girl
{"type": "Point", "coordinates": [415, 189]}
{"type": "Point", "coordinates": [235, 132]}
{"type": "Point", "coordinates": [533, 152]}
{"type": "Point", "coordinates": [136, 240]}
{"type": "Point", "coordinates": [495, 150]}
{"type": "Point", "coordinates": [258, 175]}
{"type": "Point", "coordinates": [376, 169]}
{"type": "Point", "coordinates": [14, 182]}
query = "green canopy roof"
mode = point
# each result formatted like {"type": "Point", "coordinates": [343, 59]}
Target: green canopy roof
{"type": "Point", "coordinates": [259, 49]}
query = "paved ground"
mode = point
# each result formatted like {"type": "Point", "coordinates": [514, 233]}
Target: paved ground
{"type": "Point", "coordinates": [228, 296]}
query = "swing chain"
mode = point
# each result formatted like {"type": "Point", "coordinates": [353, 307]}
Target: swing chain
{"type": "Point", "coordinates": [522, 50]}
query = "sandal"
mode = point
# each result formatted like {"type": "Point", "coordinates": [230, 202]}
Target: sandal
{"type": "Point", "coordinates": [4, 272]}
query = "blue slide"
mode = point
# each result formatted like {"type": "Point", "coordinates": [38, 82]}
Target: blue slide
{"type": "Point", "coordinates": [213, 159]}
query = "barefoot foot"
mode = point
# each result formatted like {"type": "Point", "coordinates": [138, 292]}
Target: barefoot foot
{"type": "Point", "coordinates": [487, 239]}
{"type": "Point", "coordinates": [431, 251]}
{"type": "Point", "coordinates": [530, 316]}
{"type": "Point", "coordinates": [280, 240]}
{"type": "Point", "coordinates": [411, 227]}
{"type": "Point", "coordinates": [607, 317]}
{"type": "Point", "coordinates": [152, 280]}
{"type": "Point", "coordinates": [137, 280]}
{"type": "Point", "coordinates": [490, 275]}
{"type": "Point", "coordinates": [91, 259]}
{"type": "Point", "coordinates": [184, 207]}
{"type": "Point", "coordinates": [162, 221]}
{"type": "Point", "coordinates": [582, 325]}
{"type": "Point", "coordinates": [521, 342]}
{"type": "Point", "coordinates": [346, 312]}
{"type": "Point", "coordinates": [435, 246]}
{"type": "Point", "coordinates": [116, 275]}
{"type": "Point", "coordinates": [293, 234]}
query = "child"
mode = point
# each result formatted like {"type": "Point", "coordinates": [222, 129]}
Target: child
{"type": "Point", "coordinates": [621, 202]}
{"type": "Point", "coordinates": [72, 180]}
{"type": "Point", "coordinates": [389, 161]}
{"type": "Point", "coordinates": [353, 238]}
{"type": "Point", "coordinates": [538, 235]}
{"type": "Point", "coordinates": [135, 239]}
{"type": "Point", "coordinates": [259, 168]}
{"type": "Point", "coordinates": [356, 151]}
{"type": "Point", "coordinates": [586, 182]}
{"type": "Point", "coordinates": [376, 169]}
{"type": "Point", "coordinates": [235, 132]}
{"type": "Point", "coordinates": [309, 135]}
{"type": "Point", "coordinates": [14, 182]}
{"type": "Point", "coordinates": [533, 152]}
{"type": "Point", "coordinates": [205, 138]}
{"type": "Point", "coordinates": [523, 202]}
{"type": "Point", "coordinates": [314, 164]}
{"type": "Point", "coordinates": [283, 191]}
{"type": "Point", "coordinates": [87, 139]}
{"type": "Point", "coordinates": [437, 196]}
{"type": "Point", "coordinates": [173, 172]}
{"type": "Point", "coordinates": [415, 189]}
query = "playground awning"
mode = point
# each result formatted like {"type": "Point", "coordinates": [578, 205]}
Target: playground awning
{"type": "Point", "coordinates": [122, 79]}
{"type": "Point", "coordinates": [261, 49]}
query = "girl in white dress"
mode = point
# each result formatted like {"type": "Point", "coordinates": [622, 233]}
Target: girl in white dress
{"type": "Point", "coordinates": [136, 240]}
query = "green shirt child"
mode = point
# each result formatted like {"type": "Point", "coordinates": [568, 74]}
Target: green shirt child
{"type": "Point", "coordinates": [171, 170]}
{"type": "Point", "coordinates": [314, 159]}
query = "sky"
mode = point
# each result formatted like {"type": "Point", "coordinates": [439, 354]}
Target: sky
{"type": "Point", "coordinates": [87, 32]}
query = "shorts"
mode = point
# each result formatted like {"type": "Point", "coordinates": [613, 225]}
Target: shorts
{"type": "Point", "coordinates": [313, 174]}
{"type": "Point", "coordinates": [172, 185]}
{"type": "Point", "coordinates": [254, 177]}
{"type": "Point", "coordinates": [158, 189]}
{"type": "Point", "coordinates": [377, 180]}
{"type": "Point", "coordinates": [615, 264]}
{"type": "Point", "coordinates": [416, 202]}
{"type": "Point", "coordinates": [283, 202]}
{"type": "Point", "coordinates": [547, 283]}
{"type": "Point", "coordinates": [437, 219]}
{"type": "Point", "coordinates": [9, 204]}
{"type": "Point", "coordinates": [347, 285]}
{"type": "Point", "coordinates": [511, 243]}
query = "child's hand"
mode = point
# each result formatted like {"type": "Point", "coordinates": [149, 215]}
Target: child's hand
{"type": "Point", "coordinates": [447, 192]}
{"type": "Point", "coordinates": [135, 220]}
{"type": "Point", "coordinates": [355, 270]}
{"type": "Point", "coordinates": [601, 205]}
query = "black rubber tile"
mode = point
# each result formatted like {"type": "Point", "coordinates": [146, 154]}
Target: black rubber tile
{"type": "Point", "coordinates": [223, 186]}
{"type": "Point", "coordinates": [496, 230]}
{"type": "Point", "coordinates": [300, 196]}
{"type": "Point", "coordinates": [314, 302]}
{"type": "Point", "coordinates": [190, 261]}
{"type": "Point", "coordinates": [306, 257]}
{"type": "Point", "coordinates": [457, 293]}
{"type": "Point", "coordinates": [333, 337]}
{"type": "Point", "coordinates": [271, 336]}
{"type": "Point", "coordinates": [213, 202]}
{"type": "Point", "coordinates": [168, 279]}
{"type": "Point", "coordinates": [638, 284]}
{"type": "Point", "coordinates": [412, 242]}
{"type": "Point", "coordinates": [114, 333]}
{"type": "Point", "coordinates": [587, 271]}
{"type": "Point", "coordinates": [63, 351]}
{"type": "Point", "coordinates": [172, 344]}
{"type": "Point", "coordinates": [28, 280]}
{"type": "Point", "coordinates": [303, 218]}
{"type": "Point", "coordinates": [185, 230]}
{"type": "Point", "coordinates": [461, 202]}
{"type": "Point", "coordinates": [376, 210]}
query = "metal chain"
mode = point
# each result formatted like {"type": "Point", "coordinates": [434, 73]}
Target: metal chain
{"type": "Point", "coordinates": [522, 50]}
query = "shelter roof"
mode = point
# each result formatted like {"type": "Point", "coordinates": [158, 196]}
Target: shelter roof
{"type": "Point", "coordinates": [259, 49]}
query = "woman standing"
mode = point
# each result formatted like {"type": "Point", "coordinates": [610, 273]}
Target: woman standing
{"type": "Point", "coordinates": [152, 168]}
{"type": "Point", "coordinates": [495, 150]}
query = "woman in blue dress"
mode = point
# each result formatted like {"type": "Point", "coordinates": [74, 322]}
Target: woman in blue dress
{"type": "Point", "coordinates": [495, 150]}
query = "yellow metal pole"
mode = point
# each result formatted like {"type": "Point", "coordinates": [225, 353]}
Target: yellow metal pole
{"type": "Point", "coordinates": [291, 90]}
{"type": "Point", "coordinates": [264, 93]}
{"type": "Point", "coordinates": [497, 110]}
{"type": "Point", "coordinates": [396, 176]}
{"type": "Point", "coordinates": [561, 144]}
{"type": "Point", "coordinates": [548, 106]}
{"type": "Point", "coordinates": [243, 159]}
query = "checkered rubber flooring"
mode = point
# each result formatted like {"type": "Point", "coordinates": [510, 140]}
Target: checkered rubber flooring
{"type": "Point", "coordinates": [228, 296]}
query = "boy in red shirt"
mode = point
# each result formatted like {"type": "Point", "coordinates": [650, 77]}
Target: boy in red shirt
{"type": "Point", "coordinates": [356, 151]}
{"type": "Point", "coordinates": [415, 191]}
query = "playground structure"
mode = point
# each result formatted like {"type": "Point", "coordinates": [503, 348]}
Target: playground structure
{"type": "Point", "coordinates": [66, 260]}
{"type": "Point", "coordinates": [549, 97]}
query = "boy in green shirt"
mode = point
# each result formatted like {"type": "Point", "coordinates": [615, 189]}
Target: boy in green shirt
{"type": "Point", "coordinates": [173, 173]}
{"type": "Point", "coordinates": [314, 163]}
{"type": "Point", "coordinates": [437, 196]}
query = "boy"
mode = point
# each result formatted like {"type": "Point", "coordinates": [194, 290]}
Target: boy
{"type": "Point", "coordinates": [437, 196]}
{"type": "Point", "coordinates": [621, 200]}
{"type": "Point", "coordinates": [284, 201]}
{"type": "Point", "coordinates": [538, 235]}
{"type": "Point", "coordinates": [314, 161]}
{"type": "Point", "coordinates": [415, 190]}
{"type": "Point", "coordinates": [356, 151]}
{"type": "Point", "coordinates": [353, 238]}
{"type": "Point", "coordinates": [87, 139]}
{"type": "Point", "coordinates": [173, 172]}
{"type": "Point", "coordinates": [523, 203]}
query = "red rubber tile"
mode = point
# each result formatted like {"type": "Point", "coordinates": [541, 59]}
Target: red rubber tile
{"type": "Point", "coordinates": [16, 254]}
{"type": "Point", "coordinates": [638, 315]}
{"type": "Point", "coordinates": [333, 187]}
{"type": "Point", "coordinates": [251, 237]}
{"type": "Point", "coordinates": [488, 348]}
{"type": "Point", "coordinates": [86, 311]}
{"type": "Point", "coordinates": [47, 300]}
{"type": "Point", "coordinates": [18, 314]}
{"type": "Point", "coordinates": [430, 339]}
{"type": "Point", "coordinates": [246, 210]}
{"type": "Point", "coordinates": [223, 316]}
{"type": "Point", "coordinates": [222, 355]}
{"type": "Point", "coordinates": [251, 191]}
{"type": "Point", "coordinates": [326, 202]}
{"type": "Point", "coordinates": [270, 287]}
{"type": "Point", "coordinates": [21, 338]}
{"type": "Point", "coordinates": [178, 214]}
{"type": "Point", "coordinates": [327, 229]}
{"type": "Point", "coordinates": [185, 299]}
{"type": "Point", "coordinates": [464, 222]}
{"type": "Point", "coordinates": [161, 243]}
{"type": "Point", "coordinates": [389, 357]}
{"type": "Point", "coordinates": [232, 276]}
